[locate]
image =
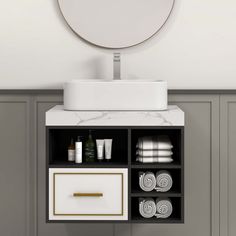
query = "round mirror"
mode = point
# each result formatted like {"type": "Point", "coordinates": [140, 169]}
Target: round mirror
{"type": "Point", "coordinates": [116, 23]}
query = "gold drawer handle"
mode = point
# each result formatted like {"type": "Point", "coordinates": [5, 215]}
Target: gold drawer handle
{"type": "Point", "coordinates": [88, 194]}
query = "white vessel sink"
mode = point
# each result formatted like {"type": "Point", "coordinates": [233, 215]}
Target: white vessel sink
{"type": "Point", "coordinates": [115, 95]}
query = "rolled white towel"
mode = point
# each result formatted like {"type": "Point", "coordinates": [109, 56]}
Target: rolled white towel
{"type": "Point", "coordinates": [154, 159]}
{"type": "Point", "coordinates": [154, 153]}
{"type": "Point", "coordinates": [164, 181]}
{"type": "Point", "coordinates": [154, 142]}
{"type": "Point", "coordinates": [147, 181]}
{"type": "Point", "coordinates": [164, 208]}
{"type": "Point", "coordinates": [147, 207]}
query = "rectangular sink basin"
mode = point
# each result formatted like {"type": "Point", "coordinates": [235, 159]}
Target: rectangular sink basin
{"type": "Point", "coordinates": [115, 95]}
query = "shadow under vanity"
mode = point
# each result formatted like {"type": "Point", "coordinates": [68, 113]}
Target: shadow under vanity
{"type": "Point", "coordinates": [109, 191]}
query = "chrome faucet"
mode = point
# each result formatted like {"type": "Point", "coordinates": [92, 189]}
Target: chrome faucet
{"type": "Point", "coordinates": [116, 66]}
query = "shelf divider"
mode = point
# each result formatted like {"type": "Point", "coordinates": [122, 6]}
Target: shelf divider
{"type": "Point", "coordinates": [129, 173]}
{"type": "Point", "coordinates": [155, 194]}
{"type": "Point", "coordinates": [136, 165]}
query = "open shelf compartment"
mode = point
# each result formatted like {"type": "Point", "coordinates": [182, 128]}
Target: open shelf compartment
{"type": "Point", "coordinates": [175, 217]}
{"type": "Point", "coordinates": [174, 134]}
{"type": "Point", "coordinates": [175, 190]}
{"type": "Point", "coordinates": [60, 138]}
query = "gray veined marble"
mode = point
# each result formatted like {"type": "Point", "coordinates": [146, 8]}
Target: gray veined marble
{"type": "Point", "coordinates": [57, 116]}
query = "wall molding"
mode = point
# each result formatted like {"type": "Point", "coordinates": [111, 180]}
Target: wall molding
{"type": "Point", "coordinates": [170, 91]}
{"type": "Point", "coordinates": [227, 140]}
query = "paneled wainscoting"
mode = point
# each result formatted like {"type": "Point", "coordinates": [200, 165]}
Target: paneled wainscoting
{"type": "Point", "coordinates": [210, 168]}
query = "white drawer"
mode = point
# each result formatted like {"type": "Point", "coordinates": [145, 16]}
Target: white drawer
{"type": "Point", "coordinates": [88, 194]}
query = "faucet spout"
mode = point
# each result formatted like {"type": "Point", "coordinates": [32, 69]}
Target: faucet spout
{"type": "Point", "coordinates": [116, 66]}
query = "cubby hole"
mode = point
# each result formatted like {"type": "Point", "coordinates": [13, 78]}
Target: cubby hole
{"type": "Point", "coordinates": [175, 217]}
{"type": "Point", "coordinates": [175, 189]}
{"type": "Point", "coordinates": [60, 138]}
{"type": "Point", "coordinates": [174, 135]}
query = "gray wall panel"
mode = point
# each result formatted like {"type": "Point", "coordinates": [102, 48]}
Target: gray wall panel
{"type": "Point", "coordinates": [201, 171]}
{"type": "Point", "coordinates": [228, 165]}
{"type": "Point", "coordinates": [199, 160]}
{"type": "Point", "coordinates": [209, 178]}
{"type": "Point", "coordinates": [231, 168]}
{"type": "Point", "coordinates": [123, 229]}
{"type": "Point", "coordinates": [14, 169]}
{"type": "Point", "coordinates": [43, 104]}
{"type": "Point", "coordinates": [198, 134]}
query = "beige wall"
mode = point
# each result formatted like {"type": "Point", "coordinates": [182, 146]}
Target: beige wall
{"type": "Point", "coordinates": [196, 49]}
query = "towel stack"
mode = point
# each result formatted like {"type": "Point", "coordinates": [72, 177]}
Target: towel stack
{"type": "Point", "coordinates": [161, 208]}
{"type": "Point", "coordinates": [152, 149]}
{"type": "Point", "coordinates": [161, 182]}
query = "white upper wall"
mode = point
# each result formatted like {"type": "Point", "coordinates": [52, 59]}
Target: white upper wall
{"type": "Point", "coordinates": [195, 50]}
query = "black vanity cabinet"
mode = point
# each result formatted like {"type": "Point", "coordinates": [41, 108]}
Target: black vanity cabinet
{"type": "Point", "coordinates": [109, 190]}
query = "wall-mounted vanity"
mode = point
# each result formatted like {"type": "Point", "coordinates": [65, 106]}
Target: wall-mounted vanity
{"type": "Point", "coordinates": [109, 191]}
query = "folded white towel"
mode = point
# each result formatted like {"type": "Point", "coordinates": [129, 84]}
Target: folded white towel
{"type": "Point", "coordinates": [154, 142]}
{"type": "Point", "coordinates": [147, 181]}
{"type": "Point", "coordinates": [154, 153]}
{"type": "Point", "coordinates": [164, 181]}
{"type": "Point", "coordinates": [164, 208]}
{"type": "Point", "coordinates": [154, 159]}
{"type": "Point", "coordinates": [147, 207]}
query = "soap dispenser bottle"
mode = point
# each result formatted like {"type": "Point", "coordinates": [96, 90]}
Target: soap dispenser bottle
{"type": "Point", "coordinates": [71, 151]}
{"type": "Point", "coordinates": [78, 150]}
{"type": "Point", "coordinates": [90, 148]}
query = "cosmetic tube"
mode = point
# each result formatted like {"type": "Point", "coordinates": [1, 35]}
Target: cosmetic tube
{"type": "Point", "coordinates": [100, 149]}
{"type": "Point", "coordinates": [108, 148]}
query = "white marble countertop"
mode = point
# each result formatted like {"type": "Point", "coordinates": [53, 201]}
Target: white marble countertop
{"type": "Point", "coordinates": [57, 116]}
